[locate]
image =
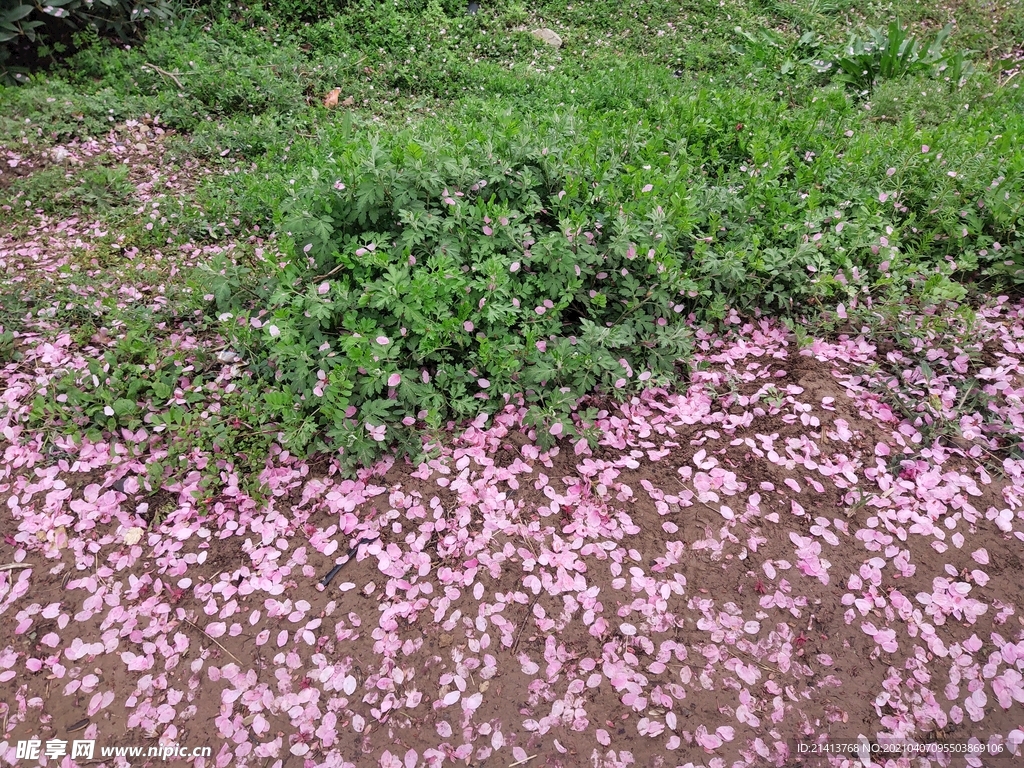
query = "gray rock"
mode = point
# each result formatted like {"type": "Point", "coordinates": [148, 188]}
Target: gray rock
{"type": "Point", "coordinates": [548, 36]}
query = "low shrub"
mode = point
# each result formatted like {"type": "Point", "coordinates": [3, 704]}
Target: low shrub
{"type": "Point", "coordinates": [436, 276]}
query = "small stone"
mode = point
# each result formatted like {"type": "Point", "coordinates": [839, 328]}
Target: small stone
{"type": "Point", "coordinates": [141, 148]}
{"type": "Point", "coordinates": [133, 535]}
{"type": "Point", "coordinates": [548, 36]}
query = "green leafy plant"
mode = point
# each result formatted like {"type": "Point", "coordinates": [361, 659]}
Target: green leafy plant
{"type": "Point", "coordinates": [111, 393]}
{"type": "Point", "coordinates": [893, 53]}
{"type": "Point", "coordinates": [771, 49]}
{"type": "Point", "coordinates": [8, 347]}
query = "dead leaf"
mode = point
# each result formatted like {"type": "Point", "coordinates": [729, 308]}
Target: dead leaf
{"type": "Point", "coordinates": [331, 100]}
{"type": "Point", "coordinates": [348, 102]}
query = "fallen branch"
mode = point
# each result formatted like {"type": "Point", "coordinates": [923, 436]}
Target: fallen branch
{"type": "Point", "coordinates": [323, 277]}
{"type": "Point", "coordinates": [172, 75]}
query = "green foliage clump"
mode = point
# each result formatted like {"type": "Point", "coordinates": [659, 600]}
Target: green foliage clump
{"type": "Point", "coordinates": [768, 48]}
{"type": "Point", "coordinates": [434, 276]}
{"type": "Point", "coordinates": [300, 12]}
{"type": "Point", "coordinates": [53, 190]}
{"type": "Point", "coordinates": [429, 49]}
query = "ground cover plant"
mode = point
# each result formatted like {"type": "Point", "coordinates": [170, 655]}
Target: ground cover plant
{"type": "Point", "coordinates": [386, 386]}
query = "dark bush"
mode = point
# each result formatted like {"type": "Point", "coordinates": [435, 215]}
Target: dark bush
{"type": "Point", "coordinates": [32, 32]}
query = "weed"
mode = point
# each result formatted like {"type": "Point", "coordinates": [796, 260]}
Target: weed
{"type": "Point", "coordinates": [892, 54]}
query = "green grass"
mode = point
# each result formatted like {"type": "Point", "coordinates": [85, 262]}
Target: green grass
{"type": "Point", "coordinates": [724, 138]}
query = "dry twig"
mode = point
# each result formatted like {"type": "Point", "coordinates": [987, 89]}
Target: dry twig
{"type": "Point", "coordinates": [212, 640]}
{"type": "Point", "coordinates": [172, 75]}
